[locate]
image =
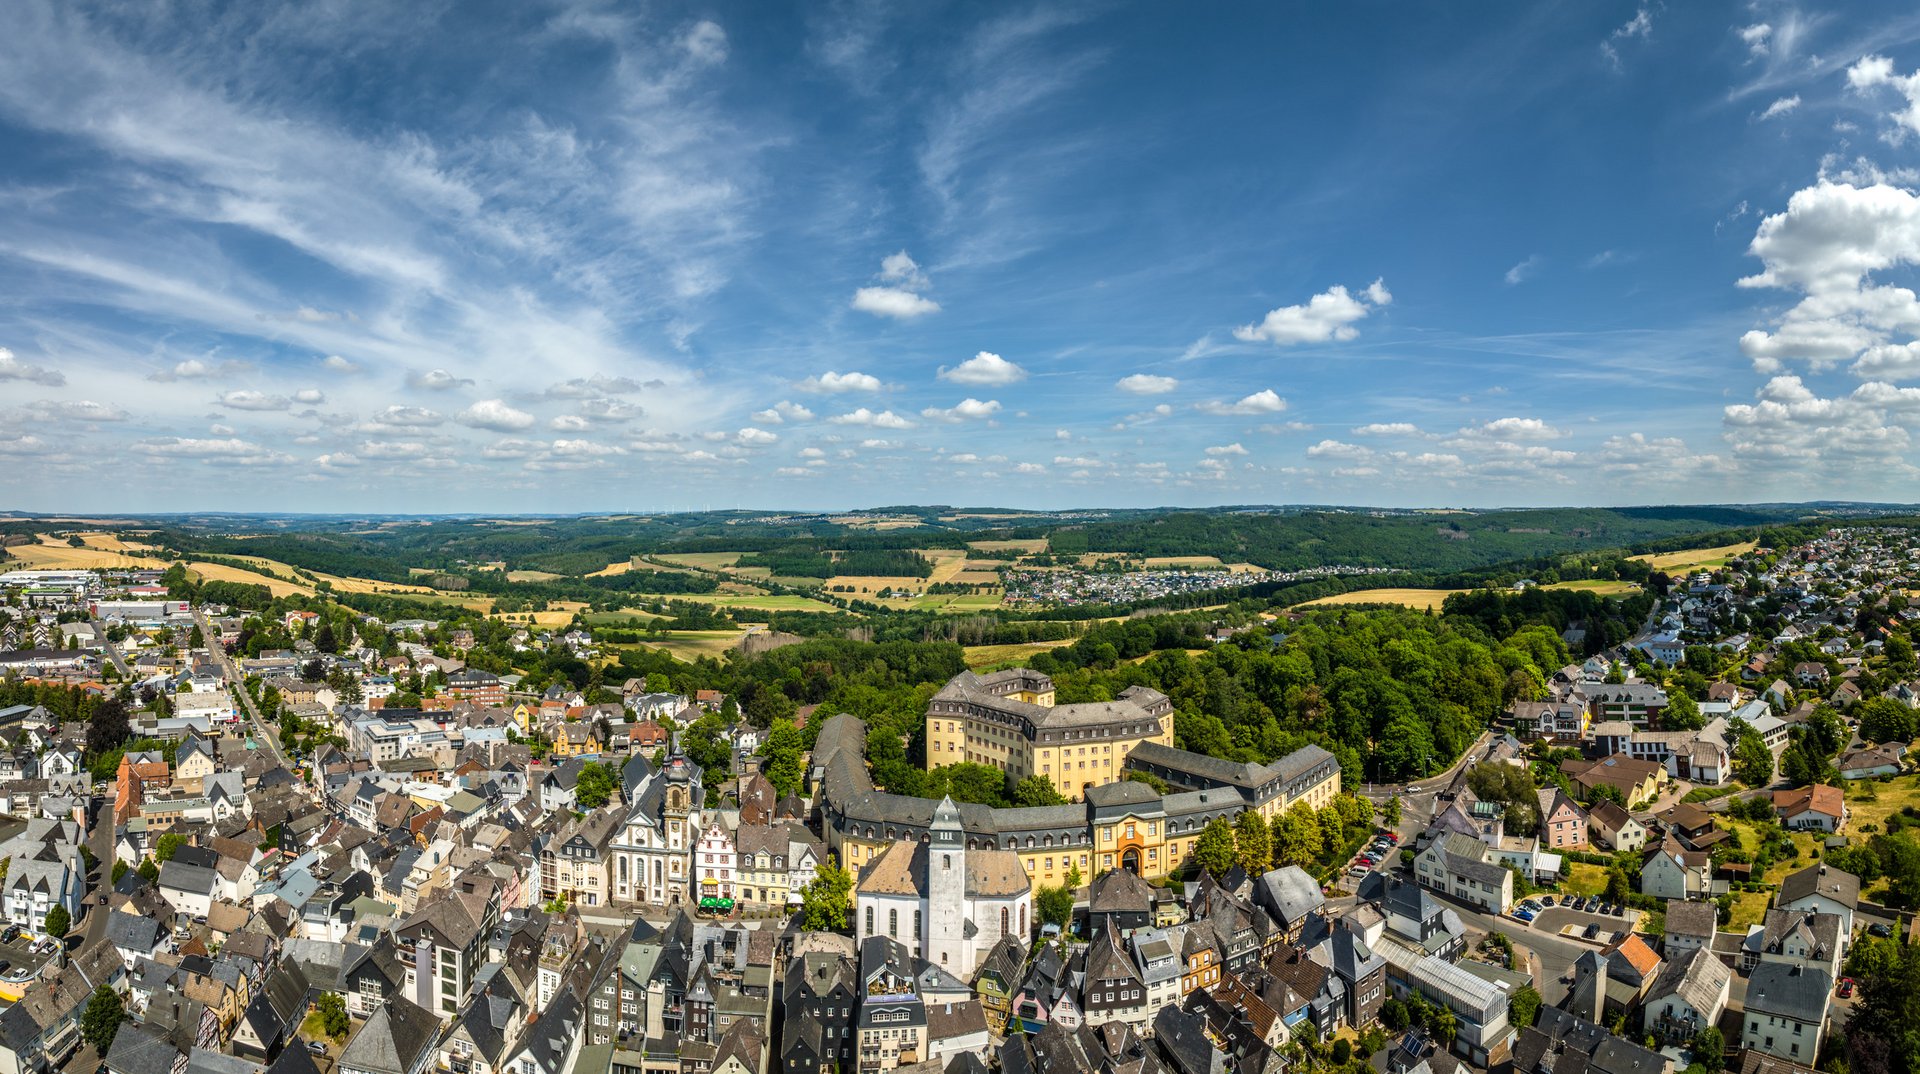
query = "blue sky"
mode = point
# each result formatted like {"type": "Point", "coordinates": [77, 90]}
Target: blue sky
{"type": "Point", "coordinates": [584, 256]}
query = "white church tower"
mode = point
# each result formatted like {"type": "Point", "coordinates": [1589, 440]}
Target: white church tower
{"type": "Point", "coordinates": [946, 939]}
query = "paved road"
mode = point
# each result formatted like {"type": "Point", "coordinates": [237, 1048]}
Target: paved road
{"type": "Point", "coordinates": [1553, 956]}
{"type": "Point", "coordinates": [1428, 785]}
{"type": "Point", "coordinates": [112, 651]}
{"type": "Point", "coordinates": [261, 733]}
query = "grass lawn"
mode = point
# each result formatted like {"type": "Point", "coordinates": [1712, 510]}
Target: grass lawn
{"type": "Point", "coordinates": [702, 560]}
{"type": "Point", "coordinates": [1888, 798]}
{"type": "Point", "coordinates": [1425, 599]}
{"type": "Point", "coordinates": [960, 605]}
{"type": "Point", "coordinates": [1584, 878]}
{"type": "Point", "coordinates": [1809, 855]}
{"type": "Point", "coordinates": [981, 656]}
{"type": "Point", "coordinates": [1749, 908]}
{"type": "Point", "coordinates": [1606, 587]}
{"type": "Point", "coordinates": [690, 645]}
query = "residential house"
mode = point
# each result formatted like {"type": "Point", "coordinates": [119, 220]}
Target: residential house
{"type": "Point", "coordinates": [1786, 1011]}
{"type": "Point", "coordinates": [399, 1038]}
{"type": "Point", "coordinates": [1615, 828]}
{"type": "Point", "coordinates": [1866, 762]}
{"type": "Point", "coordinates": [1691, 925]}
{"type": "Point", "coordinates": [1670, 871]}
{"type": "Point", "coordinates": [1689, 995]}
{"type": "Point", "coordinates": [1563, 824]}
{"type": "Point", "coordinates": [1816, 808]}
{"type": "Point", "coordinates": [1825, 889]}
{"type": "Point", "coordinates": [1459, 866]}
{"type": "Point", "coordinates": [1637, 780]}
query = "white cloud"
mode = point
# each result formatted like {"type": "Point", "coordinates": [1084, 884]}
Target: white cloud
{"type": "Point", "coordinates": [1875, 72]}
{"type": "Point", "coordinates": [496, 415]}
{"type": "Point", "coordinates": [1146, 384]}
{"type": "Point", "coordinates": [1335, 449]}
{"type": "Point", "coordinates": [569, 423]}
{"type": "Point", "coordinates": [898, 296]}
{"type": "Point", "coordinates": [755, 437]}
{"type": "Point", "coordinates": [1640, 26]}
{"type": "Point", "coordinates": [392, 449]}
{"type": "Point", "coordinates": [436, 380]}
{"type": "Point", "coordinates": [1330, 315]}
{"type": "Point", "coordinates": [344, 366]}
{"type": "Point", "coordinates": [597, 384]}
{"type": "Point", "coordinates": [1029, 468]}
{"type": "Point", "coordinates": [310, 396]}
{"type": "Point", "coordinates": [1260, 402]}
{"type": "Point", "coordinates": [337, 460]}
{"type": "Point", "coordinates": [985, 369]}
{"type": "Point", "coordinates": [783, 411]}
{"type": "Point", "coordinates": [1228, 449]}
{"type": "Point", "coordinates": [83, 410]}
{"type": "Point", "coordinates": [251, 400]}
{"type": "Point", "coordinates": [12, 368]}
{"type": "Point", "coordinates": [1524, 271]}
{"type": "Point", "coordinates": [583, 449]}
{"type": "Point", "coordinates": [1829, 241]}
{"type": "Point", "coordinates": [1757, 38]}
{"type": "Point", "coordinates": [706, 43]}
{"type": "Point", "coordinates": [509, 449]}
{"type": "Point", "coordinates": [407, 417]}
{"type": "Point", "coordinates": [1513, 429]}
{"type": "Point", "coordinates": [873, 445]}
{"type": "Point", "coordinates": [811, 453]}
{"type": "Point", "coordinates": [968, 409]}
{"type": "Point", "coordinates": [1781, 107]}
{"type": "Point", "coordinates": [1389, 428]}
{"type": "Point", "coordinates": [792, 471]}
{"type": "Point", "coordinates": [885, 419]}
{"type": "Point", "coordinates": [834, 383]}
{"type": "Point", "coordinates": [229, 450]}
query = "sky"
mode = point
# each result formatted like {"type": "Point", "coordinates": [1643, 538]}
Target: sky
{"type": "Point", "coordinates": [561, 255]}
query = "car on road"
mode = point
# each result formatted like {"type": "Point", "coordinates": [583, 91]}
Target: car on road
{"type": "Point", "coordinates": [1880, 929]}
{"type": "Point", "coordinates": [1845, 990]}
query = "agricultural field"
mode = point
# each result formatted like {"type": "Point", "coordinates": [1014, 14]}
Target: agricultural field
{"type": "Point", "coordinates": [957, 604]}
{"type": "Point", "coordinates": [764, 602]}
{"type": "Point", "coordinates": [112, 542]}
{"type": "Point", "coordinates": [1425, 599]}
{"type": "Point", "coordinates": [691, 645]}
{"type": "Point", "coordinates": [47, 555]}
{"type": "Point", "coordinates": [1694, 559]}
{"type": "Point", "coordinates": [220, 572]}
{"type": "Point", "coordinates": [982, 656]}
{"type": "Point", "coordinates": [705, 561]}
{"type": "Point", "coordinates": [532, 576]}
{"type": "Point", "coordinates": [1605, 587]}
{"type": "Point", "coordinates": [1031, 548]}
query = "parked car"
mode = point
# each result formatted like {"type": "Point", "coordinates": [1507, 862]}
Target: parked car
{"type": "Point", "coordinates": [1846, 987]}
{"type": "Point", "coordinates": [1523, 915]}
{"type": "Point", "coordinates": [1592, 930]}
{"type": "Point", "coordinates": [1880, 929]}
{"type": "Point", "coordinates": [1394, 838]}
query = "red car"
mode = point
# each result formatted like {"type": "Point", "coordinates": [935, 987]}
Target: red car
{"type": "Point", "coordinates": [1846, 987]}
{"type": "Point", "coordinates": [1394, 838]}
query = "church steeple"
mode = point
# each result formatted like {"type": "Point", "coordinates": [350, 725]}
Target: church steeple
{"type": "Point", "coordinates": [946, 888]}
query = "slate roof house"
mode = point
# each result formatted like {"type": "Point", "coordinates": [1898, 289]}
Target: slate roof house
{"type": "Point", "coordinates": [398, 1038]}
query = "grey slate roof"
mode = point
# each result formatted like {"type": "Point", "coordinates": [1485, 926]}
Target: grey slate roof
{"type": "Point", "coordinates": [1290, 892]}
{"type": "Point", "coordinates": [391, 1039]}
{"type": "Point", "coordinates": [1789, 991]}
{"type": "Point", "coordinates": [1825, 880]}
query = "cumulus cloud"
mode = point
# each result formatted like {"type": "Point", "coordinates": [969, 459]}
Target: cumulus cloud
{"type": "Point", "coordinates": [1758, 38]}
{"type": "Point", "coordinates": [407, 417]}
{"type": "Point", "coordinates": [228, 450]}
{"type": "Point", "coordinates": [965, 410]}
{"type": "Point", "coordinates": [1388, 428]}
{"type": "Point", "coordinates": [1791, 425]}
{"type": "Point", "coordinates": [1781, 107]}
{"type": "Point", "coordinates": [84, 410]}
{"type": "Point", "coordinates": [509, 448]}
{"type": "Point", "coordinates": [496, 415]}
{"type": "Point", "coordinates": [392, 449]}
{"type": "Point", "coordinates": [831, 383]}
{"type": "Point", "coordinates": [885, 419]}
{"type": "Point", "coordinates": [1876, 72]}
{"type": "Point", "coordinates": [706, 43]}
{"type": "Point", "coordinates": [569, 423]}
{"type": "Point", "coordinates": [985, 369]}
{"type": "Point", "coordinates": [252, 400]}
{"type": "Point", "coordinates": [1330, 315]}
{"type": "Point", "coordinates": [436, 380]}
{"type": "Point", "coordinates": [783, 411]}
{"type": "Point", "coordinates": [1227, 449]}
{"type": "Point", "coordinates": [1146, 384]}
{"type": "Point", "coordinates": [12, 368]}
{"type": "Point", "coordinates": [336, 364]}
{"type": "Point", "coordinates": [1513, 429]}
{"type": "Point", "coordinates": [1260, 402]}
{"type": "Point", "coordinates": [898, 295]}
{"type": "Point", "coordinates": [310, 396]}
{"type": "Point", "coordinates": [1826, 246]}
{"type": "Point", "coordinates": [337, 460]}
{"type": "Point", "coordinates": [755, 437]}
{"type": "Point", "coordinates": [597, 384]}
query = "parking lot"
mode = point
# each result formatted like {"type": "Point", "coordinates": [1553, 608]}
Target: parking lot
{"type": "Point", "coordinates": [21, 960]}
{"type": "Point", "coordinates": [1384, 852]}
{"type": "Point", "coordinates": [1596, 926]}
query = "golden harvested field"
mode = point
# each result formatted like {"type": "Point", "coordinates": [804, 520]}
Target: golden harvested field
{"type": "Point", "coordinates": [220, 572]}
{"type": "Point", "coordinates": [1696, 558]}
{"type": "Point", "coordinates": [111, 542]}
{"type": "Point", "coordinates": [947, 562]}
{"type": "Point", "coordinates": [709, 561]}
{"type": "Point", "coordinates": [1032, 547]}
{"type": "Point", "coordinates": [1428, 599]}
{"type": "Point", "coordinates": [47, 556]}
{"type": "Point", "coordinates": [980, 656]}
{"type": "Point", "coordinates": [531, 576]}
{"type": "Point", "coordinates": [690, 645]}
{"type": "Point", "coordinates": [971, 577]}
{"type": "Point", "coordinates": [950, 604]}
{"type": "Point", "coordinates": [620, 567]}
{"type": "Point", "coordinates": [1606, 587]}
{"type": "Point", "coordinates": [761, 602]}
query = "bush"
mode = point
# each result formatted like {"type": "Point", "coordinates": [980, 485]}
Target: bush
{"type": "Point", "coordinates": [1342, 1051]}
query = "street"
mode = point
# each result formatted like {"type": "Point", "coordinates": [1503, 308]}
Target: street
{"type": "Point", "coordinates": [232, 671]}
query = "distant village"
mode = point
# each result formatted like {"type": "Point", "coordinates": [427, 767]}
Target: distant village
{"type": "Point", "coordinates": [445, 871]}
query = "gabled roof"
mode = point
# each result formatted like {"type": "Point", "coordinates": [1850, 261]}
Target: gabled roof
{"type": "Point", "coordinates": [1823, 880]}
{"type": "Point", "coordinates": [392, 1039]}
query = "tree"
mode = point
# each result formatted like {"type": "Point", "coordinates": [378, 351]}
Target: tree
{"type": "Point", "coordinates": [1037, 791]}
{"type": "Point", "coordinates": [119, 870]}
{"type": "Point", "coordinates": [1342, 1051]}
{"type": "Point", "coordinates": [1055, 906]}
{"type": "Point", "coordinates": [325, 640]}
{"type": "Point", "coordinates": [333, 1015]}
{"type": "Point", "coordinates": [827, 899]}
{"type": "Point", "coordinates": [1297, 836]}
{"type": "Point", "coordinates": [1393, 1015]}
{"type": "Point", "coordinates": [58, 921]}
{"type": "Point", "coordinates": [148, 870]}
{"type": "Point", "coordinates": [165, 847]}
{"type": "Point", "coordinates": [1682, 713]}
{"type": "Point", "coordinates": [1882, 719]}
{"type": "Point", "coordinates": [1390, 814]}
{"type": "Point", "coordinates": [1253, 843]}
{"type": "Point", "coordinates": [1606, 792]}
{"type": "Point", "coordinates": [1617, 887]}
{"type": "Point", "coordinates": [594, 786]}
{"type": "Point", "coordinates": [1752, 760]}
{"type": "Point", "coordinates": [108, 727]}
{"type": "Point", "coordinates": [1523, 1006]}
{"type": "Point", "coordinates": [1709, 1049]}
{"type": "Point", "coordinates": [1214, 849]}
{"type": "Point", "coordinates": [1898, 649]}
{"type": "Point", "coordinates": [101, 1020]}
